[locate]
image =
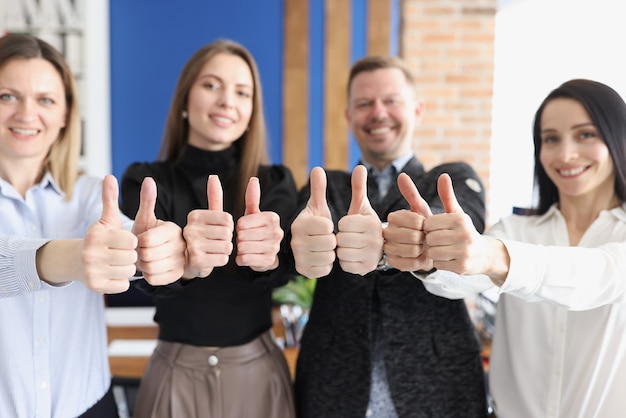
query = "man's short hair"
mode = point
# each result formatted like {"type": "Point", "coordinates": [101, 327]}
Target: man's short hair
{"type": "Point", "coordinates": [380, 62]}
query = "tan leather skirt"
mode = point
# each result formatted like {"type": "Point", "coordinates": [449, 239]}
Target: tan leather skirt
{"type": "Point", "coordinates": [246, 381]}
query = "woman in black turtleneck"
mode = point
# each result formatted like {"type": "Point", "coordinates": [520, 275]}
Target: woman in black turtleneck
{"type": "Point", "coordinates": [215, 356]}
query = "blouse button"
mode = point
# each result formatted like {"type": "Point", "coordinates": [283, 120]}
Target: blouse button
{"type": "Point", "coordinates": [213, 360]}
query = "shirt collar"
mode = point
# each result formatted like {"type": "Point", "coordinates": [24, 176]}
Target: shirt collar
{"type": "Point", "coordinates": [398, 164]}
{"type": "Point", "coordinates": [550, 213]}
{"type": "Point", "coordinates": [47, 180]}
{"type": "Point", "coordinates": [619, 212]}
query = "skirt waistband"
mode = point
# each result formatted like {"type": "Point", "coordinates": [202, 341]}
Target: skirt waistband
{"type": "Point", "coordinates": [186, 355]}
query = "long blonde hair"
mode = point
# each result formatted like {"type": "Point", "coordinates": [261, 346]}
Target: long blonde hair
{"type": "Point", "coordinates": [64, 154]}
{"type": "Point", "coordinates": [251, 146]}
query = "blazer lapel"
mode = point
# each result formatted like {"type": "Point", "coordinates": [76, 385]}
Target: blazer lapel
{"type": "Point", "coordinates": [394, 199]}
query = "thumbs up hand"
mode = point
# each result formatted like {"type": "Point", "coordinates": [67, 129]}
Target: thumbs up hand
{"type": "Point", "coordinates": [404, 236]}
{"type": "Point", "coordinates": [161, 248]}
{"type": "Point", "coordinates": [209, 234]}
{"type": "Point", "coordinates": [258, 233]}
{"type": "Point", "coordinates": [108, 252]}
{"type": "Point", "coordinates": [360, 236]}
{"type": "Point", "coordinates": [312, 232]}
{"type": "Point", "coordinates": [452, 240]}
{"type": "Point", "coordinates": [145, 218]}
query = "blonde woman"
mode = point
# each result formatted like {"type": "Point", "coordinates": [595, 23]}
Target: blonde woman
{"type": "Point", "coordinates": [63, 242]}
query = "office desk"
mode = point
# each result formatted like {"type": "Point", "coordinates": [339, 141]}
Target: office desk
{"type": "Point", "coordinates": [132, 336]}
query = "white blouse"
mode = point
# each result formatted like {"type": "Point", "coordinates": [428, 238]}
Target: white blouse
{"type": "Point", "coordinates": [559, 347]}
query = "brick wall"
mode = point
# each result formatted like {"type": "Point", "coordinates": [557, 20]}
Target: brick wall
{"type": "Point", "coordinates": [449, 45]}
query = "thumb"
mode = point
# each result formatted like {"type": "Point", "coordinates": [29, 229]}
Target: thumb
{"type": "Point", "coordinates": [253, 196]}
{"type": "Point", "coordinates": [446, 194]}
{"type": "Point", "coordinates": [412, 195]}
{"type": "Point", "coordinates": [110, 206]}
{"type": "Point", "coordinates": [145, 217]}
{"type": "Point", "coordinates": [317, 201]}
{"type": "Point", "coordinates": [215, 194]}
{"type": "Point", "coordinates": [359, 201]}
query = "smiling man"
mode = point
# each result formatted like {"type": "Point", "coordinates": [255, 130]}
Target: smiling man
{"type": "Point", "coordinates": [377, 343]}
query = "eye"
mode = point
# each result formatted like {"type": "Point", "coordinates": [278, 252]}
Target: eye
{"type": "Point", "coordinates": [46, 101]}
{"type": "Point", "coordinates": [549, 139]}
{"type": "Point", "coordinates": [392, 101]}
{"type": "Point", "coordinates": [244, 93]}
{"type": "Point", "coordinates": [211, 86]}
{"type": "Point", "coordinates": [587, 135]}
{"type": "Point", "coordinates": [6, 97]}
{"type": "Point", "coordinates": [363, 105]}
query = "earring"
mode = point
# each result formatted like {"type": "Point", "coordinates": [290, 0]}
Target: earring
{"type": "Point", "coordinates": [185, 114]}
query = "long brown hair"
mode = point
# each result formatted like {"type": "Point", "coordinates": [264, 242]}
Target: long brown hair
{"type": "Point", "coordinates": [251, 146]}
{"type": "Point", "coordinates": [64, 154]}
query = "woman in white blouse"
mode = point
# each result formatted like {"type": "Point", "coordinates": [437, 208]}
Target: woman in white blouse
{"type": "Point", "coordinates": [63, 243]}
{"type": "Point", "coordinates": [559, 346]}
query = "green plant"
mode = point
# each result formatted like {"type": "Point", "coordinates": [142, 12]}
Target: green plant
{"type": "Point", "coordinates": [298, 291]}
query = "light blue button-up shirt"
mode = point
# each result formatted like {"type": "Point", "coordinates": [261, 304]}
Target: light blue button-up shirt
{"type": "Point", "coordinates": [53, 345]}
{"type": "Point", "coordinates": [388, 175]}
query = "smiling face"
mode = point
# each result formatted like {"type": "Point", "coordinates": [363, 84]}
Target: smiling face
{"type": "Point", "coordinates": [382, 113]}
{"type": "Point", "coordinates": [32, 110]}
{"type": "Point", "coordinates": [220, 102]}
{"type": "Point", "coordinates": [573, 154]}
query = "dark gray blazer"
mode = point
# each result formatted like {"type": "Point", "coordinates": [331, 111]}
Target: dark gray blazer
{"type": "Point", "coordinates": [431, 350]}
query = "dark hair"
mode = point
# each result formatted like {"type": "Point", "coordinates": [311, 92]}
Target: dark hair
{"type": "Point", "coordinates": [64, 154]}
{"type": "Point", "coordinates": [251, 147]}
{"type": "Point", "coordinates": [380, 62]}
{"type": "Point", "coordinates": [607, 111]}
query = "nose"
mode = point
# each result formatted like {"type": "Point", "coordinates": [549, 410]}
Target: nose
{"type": "Point", "coordinates": [26, 110]}
{"type": "Point", "coordinates": [568, 150]}
{"type": "Point", "coordinates": [379, 111]}
{"type": "Point", "coordinates": [227, 98]}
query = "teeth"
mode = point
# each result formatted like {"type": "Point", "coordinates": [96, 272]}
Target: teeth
{"type": "Point", "coordinates": [221, 119]}
{"type": "Point", "coordinates": [572, 172]}
{"type": "Point", "coordinates": [380, 131]}
{"type": "Point", "coordinates": [25, 131]}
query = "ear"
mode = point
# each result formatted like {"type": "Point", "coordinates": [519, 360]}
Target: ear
{"type": "Point", "coordinates": [346, 113]}
{"type": "Point", "coordinates": [420, 106]}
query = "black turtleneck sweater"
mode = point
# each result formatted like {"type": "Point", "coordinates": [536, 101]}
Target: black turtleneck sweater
{"type": "Point", "coordinates": [232, 305]}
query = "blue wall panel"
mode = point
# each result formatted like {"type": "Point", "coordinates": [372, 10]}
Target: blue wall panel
{"type": "Point", "coordinates": [150, 42]}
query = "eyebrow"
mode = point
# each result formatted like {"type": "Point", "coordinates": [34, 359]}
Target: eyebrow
{"type": "Point", "coordinates": [387, 96]}
{"type": "Point", "coordinates": [221, 80]}
{"type": "Point", "coordinates": [19, 92]}
{"type": "Point", "coordinates": [580, 125]}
